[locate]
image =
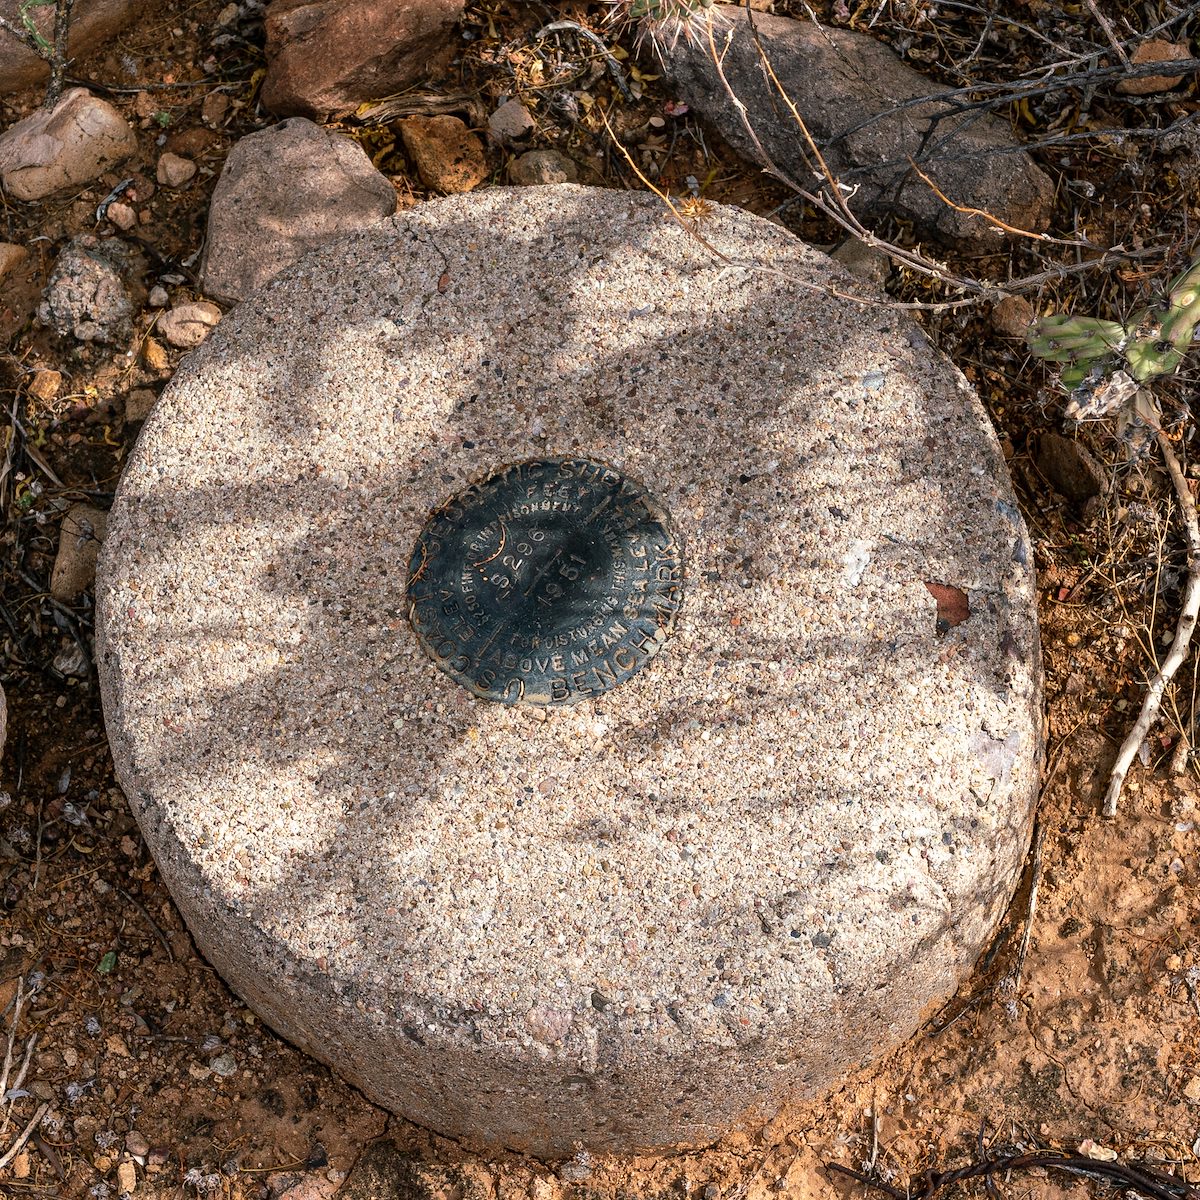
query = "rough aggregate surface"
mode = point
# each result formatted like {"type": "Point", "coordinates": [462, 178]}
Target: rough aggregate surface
{"type": "Point", "coordinates": [636, 921]}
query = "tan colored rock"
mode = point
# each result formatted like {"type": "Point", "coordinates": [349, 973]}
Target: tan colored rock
{"type": "Point", "coordinates": [214, 108]}
{"type": "Point", "coordinates": [45, 384]}
{"type": "Point", "coordinates": [11, 257]}
{"type": "Point", "coordinates": [536, 167]}
{"type": "Point", "coordinates": [174, 171]}
{"type": "Point", "coordinates": [187, 325]}
{"type": "Point", "coordinates": [79, 539]}
{"type": "Point", "coordinates": [93, 23]}
{"type": "Point", "coordinates": [126, 1178]}
{"type": "Point", "coordinates": [326, 57]}
{"type": "Point", "coordinates": [281, 193]}
{"type": "Point", "coordinates": [122, 215]}
{"type": "Point", "coordinates": [154, 355]}
{"type": "Point", "coordinates": [68, 145]}
{"type": "Point", "coordinates": [1154, 51]}
{"type": "Point", "coordinates": [1012, 316]}
{"type": "Point", "coordinates": [447, 156]}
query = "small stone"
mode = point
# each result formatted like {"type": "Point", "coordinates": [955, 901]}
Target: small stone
{"type": "Point", "coordinates": [1096, 1152]}
{"type": "Point", "coordinates": [68, 145]}
{"type": "Point", "coordinates": [86, 297]}
{"type": "Point", "coordinates": [223, 1065]}
{"type": "Point", "coordinates": [21, 1165]}
{"type": "Point", "coordinates": [214, 108]}
{"type": "Point", "coordinates": [446, 155]}
{"type": "Point", "coordinates": [126, 1178]}
{"type": "Point", "coordinates": [11, 257]}
{"type": "Point", "coordinates": [511, 122]}
{"type": "Point", "coordinates": [174, 171]}
{"type": "Point", "coordinates": [138, 404]}
{"type": "Point", "coordinates": [122, 215]}
{"type": "Point", "coordinates": [1012, 316]}
{"type": "Point", "coordinates": [137, 1143]}
{"type": "Point", "coordinates": [1154, 51]}
{"type": "Point", "coordinates": [79, 539]}
{"type": "Point", "coordinates": [154, 355]}
{"type": "Point", "coordinates": [1191, 1090]}
{"type": "Point", "coordinates": [187, 325]}
{"type": "Point", "coordinates": [159, 296]}
{"type": "Point", "coordinates": [45, 384]}
{"type": "Point", "coordinates": [115, 1044]}
{"type": "Point", "coordinates": [542, 166]}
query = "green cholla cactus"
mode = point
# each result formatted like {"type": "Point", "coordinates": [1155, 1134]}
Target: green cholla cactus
{"type": "Point", "coordinates": [1152, 342]}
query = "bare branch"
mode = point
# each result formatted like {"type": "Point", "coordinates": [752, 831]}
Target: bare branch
{"type": "Point", "coordinates": [1183, 634]}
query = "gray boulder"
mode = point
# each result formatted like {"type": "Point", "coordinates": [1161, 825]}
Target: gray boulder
{"type": "Point", "coordinates": [283, 192]}
{"type": "Point", "coordinates": [870, 116]}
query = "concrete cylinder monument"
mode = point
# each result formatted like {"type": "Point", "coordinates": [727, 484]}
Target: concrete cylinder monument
{"type": "Point", "coordinates": [583, 687]}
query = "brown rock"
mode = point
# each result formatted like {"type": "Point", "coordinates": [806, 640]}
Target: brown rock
{"type": "Point", "coordinates": [448, 157]}
{"type": "Point", "coordinates": [11, 257]}
{"type": "Point", "coordinates": [21, 1162]}
{"type": "Point", "coordinates": [93, 23]}
{"type": "Point", "coordinates": [870, 115]}
{"type": "Point", "coordinates": [174, 171]}
{"type": "Point", "coordinates": [1153, 51]}
{"type": "Point", "coordinates": [326, 57]}
{"type": "Point", "coordinates": [214, 108]}
{"type": "Point", "coordinates": [70, 144]}
{"type": "Point", "coordinates": [79, 539]}
{"type": "Point", "coordinates": [187, 325]}
{"type": "Point", "coordinates": [194, 142]}
{"type": "Point", "coordinates": [1071, 468]}
{"type": "Point", "coordinates": [260, 220]}
{"type": "Point", "coordinates": [45, 384]}
{"type": "Point", "coordinates": [1012, 316]}
{"type": "Point", "coordinates": [536, 167]}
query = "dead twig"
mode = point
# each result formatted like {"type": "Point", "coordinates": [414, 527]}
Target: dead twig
{"type": "Point", "coordinates": [23, 1136]}
{"type": "Point", "coordinates": [1035, 879]}
{"type": "Point", "coordinates": [1184, 630]}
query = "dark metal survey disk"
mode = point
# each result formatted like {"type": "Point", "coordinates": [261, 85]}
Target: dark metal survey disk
{"type": "Point", "coordinates": [550, 581]}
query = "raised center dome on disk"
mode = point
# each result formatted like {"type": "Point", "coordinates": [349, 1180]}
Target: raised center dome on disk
{"type": "Point", "coordinates": [551, 581]}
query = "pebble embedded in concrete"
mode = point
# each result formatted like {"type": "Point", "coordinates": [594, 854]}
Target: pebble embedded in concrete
{"type": "Point", "coordinates": [639, 920]}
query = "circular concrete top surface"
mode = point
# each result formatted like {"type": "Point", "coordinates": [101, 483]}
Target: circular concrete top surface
{"type": "Point", "coordinates": [633, 920]}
